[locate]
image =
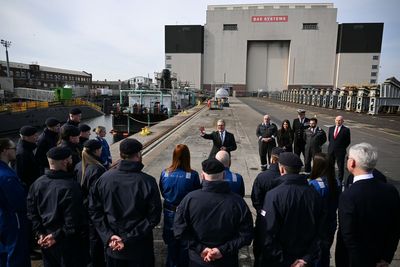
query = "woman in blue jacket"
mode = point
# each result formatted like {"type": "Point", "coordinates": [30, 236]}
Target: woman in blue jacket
{"type": "Point", "coordinates": [322, 179]}
{"type": "Point", "coordinates": [105, 157]}
{"type": "Point", "coordinates": [175, 183]}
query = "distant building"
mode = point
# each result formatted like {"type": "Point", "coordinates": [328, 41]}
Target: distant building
{"type": "Point", "coordinates": [108, 87]}
{"type": "Point", "coordinates": [273, 47]}
{"type": "Point", "coordinates": [42, 77]}
{"type": "Point", "coordinates": [139, 82]}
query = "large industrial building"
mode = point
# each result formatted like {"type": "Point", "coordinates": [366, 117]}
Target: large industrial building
{"type": "Point", "coordinates": [273, 47]}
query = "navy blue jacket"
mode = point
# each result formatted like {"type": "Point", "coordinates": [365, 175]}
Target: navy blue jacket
{"type": "Point", "coordinates": [214, 217]}
{"type": "Point", "coordinates": [174, 186]}
{"type": "Point", "coordinates": [26, 166]}
{"type": "Point", "coordinates": [369, 221]}
{"type": "Point", "coordinates": [235, 181]}
{"type": "Point", "coordinates": [76, 151]}
{"type": "Point", "coordinates": [48, 139]}
{"type": "Point", "coordinates": [55, 206]}
{"type": "Point", "coordinates": [92, 173]}
{"type": "Point", "coordinates": [105, 156]}
{"type": "Point", "coordinates": [292, 214]}
{"type": "Point", "coordinates": [264, 182]}
{"type": "Point", "coordinates": [229, 142]}
{"type": "Point", "coordinates": [126, 202]}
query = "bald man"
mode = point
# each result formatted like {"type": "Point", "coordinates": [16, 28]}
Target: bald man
{"type": "Point", "coordinates": [235, 180]}
{"type": "Point", "coordinates": [266, 133]}
{"type": "Point", "coordinates": [339, 140]}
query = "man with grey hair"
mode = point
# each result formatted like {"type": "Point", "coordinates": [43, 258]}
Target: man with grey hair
{"type": "Point", "coordinates": [266, 133]}
{"type": "Point", "coordinates": [216, 221]}
{"type": "Point", "coordinates": [222, 139]}
{"type": "Point", "coordinates": [369, 217]}
{"type": "Point", "coordinates": [339, 139]}
{"type": "Point", "coordinates": [235, 180]}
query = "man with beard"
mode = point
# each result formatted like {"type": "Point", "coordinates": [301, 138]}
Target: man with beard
{"type": "Point", "coordinates": [26, 166]}
{"type": "Point", "coordinates": [125, 206]}
{"type": "Point", "coordinates": [74, 117]}
{"type": "Point", "coordinates": [315, 137]}
{"type": "Point", "coordinates": [47, 140]}
{"type": "Point", "coordinates": [70, 139]}
{"type": "Point", "coordinates": [85, 133]}
{"type": "Point", "coordinates": [14, 245]}
{"type": "Point", "coordinates": [55, 207]}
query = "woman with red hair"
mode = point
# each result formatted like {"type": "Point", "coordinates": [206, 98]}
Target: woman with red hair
{"type": "Point", "coordinates": [175, 183]}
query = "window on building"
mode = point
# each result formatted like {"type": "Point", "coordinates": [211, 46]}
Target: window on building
{"type": "Point", "coordinates": [375, 57]}
{"type": "Point", "coordinates": [372, 81]}
{"type": "Point", "coordinates": [168, 66]}
{"type": "Point", "coordinates": [374, 67]}
{"type": "Point", "coordinates": [373, 74]}
{"type": "Point", "coordinates": [310, 26]}
{"type": "Point", "coordinates": [167, 57]}
{"type": "Point", "coordinates": [230, 27]}
{"type": "Point", "coordinates": [42, 75]}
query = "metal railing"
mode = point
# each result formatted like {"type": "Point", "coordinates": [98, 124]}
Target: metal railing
{"type": "Point", "coordinates": [32, 105]}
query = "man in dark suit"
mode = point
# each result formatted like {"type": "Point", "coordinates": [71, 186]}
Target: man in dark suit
{"type": "Point", "coordinates": [369, 218]}
{"type": "Point", "coordinates": [315, 137]}
{"type": "Point", "coordinates": [222, 139]}
{"type": "Point", "coordinates": [339, 140]}
{"type": "Point", "coordinates": [299, 125]}
{"type": "Point", "coordinates": [266, 133]}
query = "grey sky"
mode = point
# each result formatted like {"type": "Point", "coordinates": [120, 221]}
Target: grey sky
{"type": "Point", "coordinates": [119, 39]}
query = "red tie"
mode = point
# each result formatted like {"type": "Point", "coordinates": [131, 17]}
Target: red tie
{"type": "Point", "coordinates": [336, 133]}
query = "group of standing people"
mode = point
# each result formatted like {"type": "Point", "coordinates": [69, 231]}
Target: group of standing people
{"type": "Point", "coordinates": [34, 171]}
{"type": "Point", "coordinates": [85, 213]}
{"type": "Point", "coordinates": [306, 138]}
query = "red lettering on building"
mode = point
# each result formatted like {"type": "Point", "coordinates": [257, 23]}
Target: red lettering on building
{"type": "Point", "coordinates": [269, 18]}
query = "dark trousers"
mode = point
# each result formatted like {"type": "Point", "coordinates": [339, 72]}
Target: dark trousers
{"type": "Point", "coordinates": [96, 249]}
{"type": "Point", "coordinates": [177, 249]}
{"type": "Point", "coordinates": [309, 155]}
{"type": "Point", "coordinates": [257, 242]}
{"type": "Point", "coordinates": [339, 159]}
{"type": "Point", "coordinates": [264, 150]}
{"type": "Point", "coordinates": [341, 255]}
{"type": "Point", "coordinates": [299, 148]}
{"type": "Point", "coordinates": [69, 252]}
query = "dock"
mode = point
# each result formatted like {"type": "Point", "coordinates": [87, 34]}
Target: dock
{"type": "Point", "coordinates": [242, 118]}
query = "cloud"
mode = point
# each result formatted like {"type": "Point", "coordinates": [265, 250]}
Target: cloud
{"type": "Point", "coordinates": [119, 39]}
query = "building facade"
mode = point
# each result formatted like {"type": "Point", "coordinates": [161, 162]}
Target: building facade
{"type": "Point", "coordinates": [42, 77]}
{"type": "Point", "coordinates": [274, 47]}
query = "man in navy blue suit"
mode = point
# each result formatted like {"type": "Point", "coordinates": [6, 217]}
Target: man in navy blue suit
{"type": "Point", "coordinates": [369, 218]}
{"type": "Point", "coordinates": [339, 140]}
{"type": "Point", "coordinates": [222, 139]}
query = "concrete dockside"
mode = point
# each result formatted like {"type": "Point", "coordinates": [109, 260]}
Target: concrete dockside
{"type": "Point", "coordinates": [241, 120]}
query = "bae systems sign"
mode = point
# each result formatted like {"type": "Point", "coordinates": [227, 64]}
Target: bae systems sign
{"type": "Point", "coordinates": [269, 18]}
